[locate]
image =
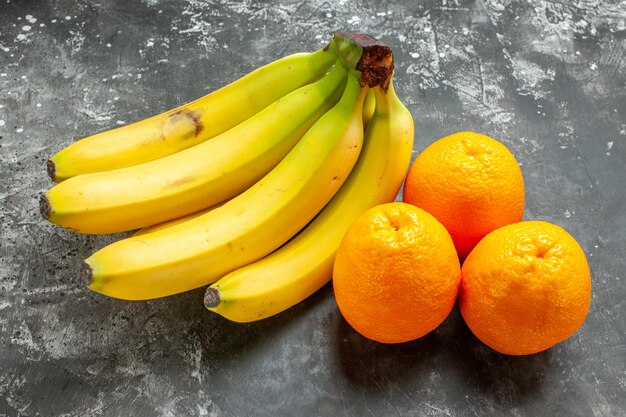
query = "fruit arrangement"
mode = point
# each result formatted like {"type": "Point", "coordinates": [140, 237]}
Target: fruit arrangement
{"type": "Point", "coordinates": [267, 188]}
{"type": "Point", "coordinates": [249, 189]}
{"type": "Point", "coordinates": [524, 286]}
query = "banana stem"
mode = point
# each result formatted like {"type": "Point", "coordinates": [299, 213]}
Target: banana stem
{"type": "Point", "coordinates": [371, 58]}
{"type": "Point", "coordinates": [320, 59]}
{"type": "Point", "coordinates": [384, 98]}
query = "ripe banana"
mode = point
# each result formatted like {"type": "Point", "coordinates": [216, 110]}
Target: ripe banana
{"type": "Point", "coordinates": [170, 223]}
{"type": "Point", "coordinates": [192, 123]}
{"type": "Point", "coordinates": [369, 106]}
{"type": "Point", "coordinates": [194, 178]}
{"type": "Point", "coordinates": [302, 266]}
{"type": "Point", "coordinates": [246, 228]}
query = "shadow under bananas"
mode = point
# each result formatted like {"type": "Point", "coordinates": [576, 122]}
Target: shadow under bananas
{"type": "Point", "coordinates": [181, 330]}
{"type": "Point", "coordinates": [224, 339]}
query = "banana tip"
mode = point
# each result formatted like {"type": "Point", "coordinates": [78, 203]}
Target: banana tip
{"type": "Point", "coordinates": [211, 297]}
{"type": "Point", "coordinates": [44, 206]}
{"type": "Point", "coordinates": [86, 274]}
{"type": "Point", "coordinates": [51, 168]}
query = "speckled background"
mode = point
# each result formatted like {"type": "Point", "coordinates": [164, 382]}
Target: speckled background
{"type": "Point", "coordinates": [547, 78]}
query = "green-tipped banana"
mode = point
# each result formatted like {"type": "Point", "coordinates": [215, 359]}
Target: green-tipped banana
{"type": "Point", "coordinates": [194, 178]}
{"type": "Point", "coordinates": [246, 228]}
{"type": "Point", "coordinates": [302, 266]}
{"type": "Point", "coordinates": [192, 123]}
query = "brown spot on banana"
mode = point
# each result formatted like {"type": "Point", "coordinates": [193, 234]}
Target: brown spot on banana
{"type": "Point", "coordinates": [183, 123]}
{"type": "Point", "coordinates": [179, 182]}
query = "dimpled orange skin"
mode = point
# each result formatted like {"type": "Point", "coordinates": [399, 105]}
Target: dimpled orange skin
{"type": "Point", "coordinates": [396, 274]}
{"type": "Point", "coordinates": [471, 183]}
{"type": "Point", "coordinates": [525, 287]}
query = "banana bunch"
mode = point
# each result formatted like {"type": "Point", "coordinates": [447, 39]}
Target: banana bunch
{"type": "Point", "coordinates": [248, 189]}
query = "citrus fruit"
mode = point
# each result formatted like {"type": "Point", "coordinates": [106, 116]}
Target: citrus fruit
{"type": "Point", "coordinates": [525, 287]}
{"type": "Point", "coordinates": [471, 183]}
{"type": "Point", "coordinates": [396, 274]}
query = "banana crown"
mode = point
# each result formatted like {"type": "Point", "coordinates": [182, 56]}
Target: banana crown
{"type": "Point", "coordinates": [370, 58]}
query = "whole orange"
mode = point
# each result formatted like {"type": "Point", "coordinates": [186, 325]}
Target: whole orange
{"type": "Point", "coordinates": [525, 287]}
{"type": "Point", "coordinates": [471, 183]}
{"type": "Point", "coordinates": [396, 274]}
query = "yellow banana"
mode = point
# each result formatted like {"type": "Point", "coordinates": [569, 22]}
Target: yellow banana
{"type": "Point", "coordinates": [194, 178]}
{"type": "Point", "coordinates": [302, 266]}
{"type": "Point", "coordinates": [369, 106]}
{"type": "Point", "coordinates": [246, 228]}
{"type": "Point", "coordinates": [192, 123]}
{"type": "Point", "coordinates": [171, 223]}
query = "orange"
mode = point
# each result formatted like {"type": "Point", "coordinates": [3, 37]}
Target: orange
{"type": "Point", "coordinates": [525, 287]}
{"type": "Point", "coordinates": [471, 183]}
{"type": "Point", "coordinates": [396, 274]}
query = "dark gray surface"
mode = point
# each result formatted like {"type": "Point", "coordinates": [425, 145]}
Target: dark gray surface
{"type": "Point", "coordinates": [546, 78]}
